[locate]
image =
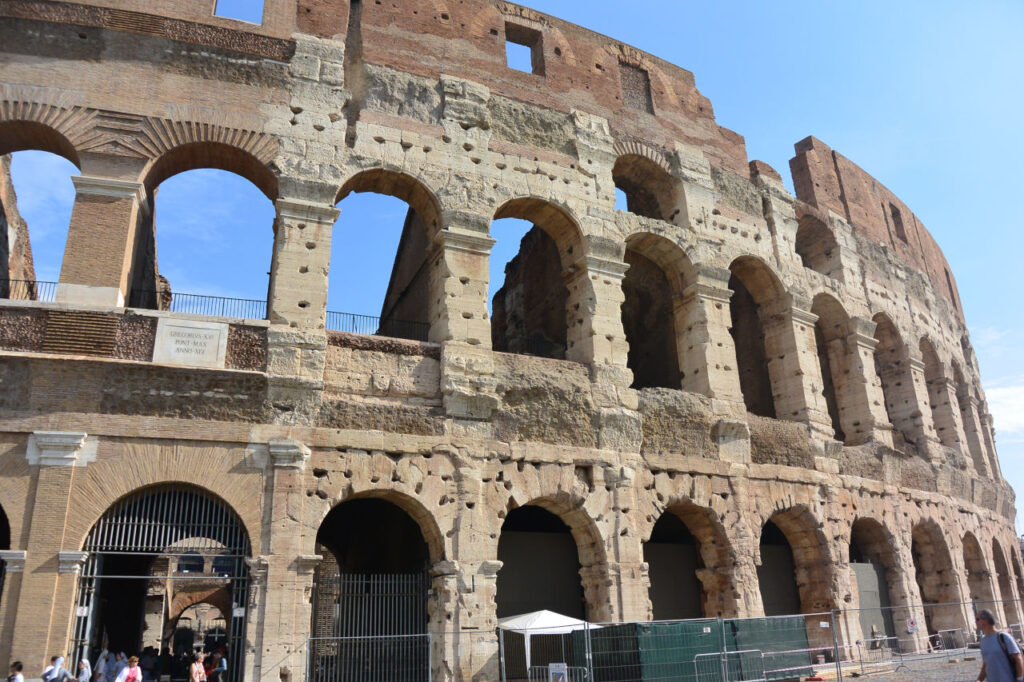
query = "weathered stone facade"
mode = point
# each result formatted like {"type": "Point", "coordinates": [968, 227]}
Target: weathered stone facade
{"type": "Point", "coordinates": [810, 364]}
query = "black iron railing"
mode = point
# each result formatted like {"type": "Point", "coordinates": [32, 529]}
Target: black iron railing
{"type": "Point", "coordinates": [367, 324]}
{"type": "Point", "coordinates": [28, 290]}
{"type": "Point", "coordinates": [194, 304]}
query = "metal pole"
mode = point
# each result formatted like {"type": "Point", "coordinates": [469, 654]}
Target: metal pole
{"type": "Point", "coordinates": [721, 649]}
{"type": "Point", "coordinates": [501, 653]}
{"type": "Point", "coordinates": [835, 646]}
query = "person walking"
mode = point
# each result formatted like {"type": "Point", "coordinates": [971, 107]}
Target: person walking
{"type": "Point", "coordinates": [101, 666]}
{"type": "Point", "coordinates": [84, 670]}
{"type": "Point", "coordinates": [16, 675]}
{"type": "Point", "coordinates": [196, 672]}
{"type": "Point", "coordinates": [1001, 657]}
{"type": "Point", "coordinates": [131, 672]}
{"type": "Point", "coordinates": [56, 672]}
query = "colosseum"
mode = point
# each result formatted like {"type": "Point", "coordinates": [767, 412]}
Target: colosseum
{"type": "Point", "coordinates": [726, 402]}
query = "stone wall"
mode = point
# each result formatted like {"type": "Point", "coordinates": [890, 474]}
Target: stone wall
{"type": "Point", "coordinates": [722, 352]}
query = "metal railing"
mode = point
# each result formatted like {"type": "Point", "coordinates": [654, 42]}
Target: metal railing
{"type": "Point", "coordinates": [379, 658]}
{"type": "Point", "coordinates": [196, 304]}
{"type": "Point", "coordinates": [552, 673]}
{"type": "Point", "coordinates": [731, 666]}
{"type": "Point", "coordinates": [368, 324]}
{"type": "Point", "coordinates": [28, 290]}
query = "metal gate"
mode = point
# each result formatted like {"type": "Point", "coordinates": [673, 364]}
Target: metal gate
{"type": "Point", "coordinates": [369, 627]}
{"type": "Point", "coordinates": [160, 526]}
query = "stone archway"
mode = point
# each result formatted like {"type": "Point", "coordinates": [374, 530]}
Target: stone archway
{"type": "Point", "coordinates": [936, 577]}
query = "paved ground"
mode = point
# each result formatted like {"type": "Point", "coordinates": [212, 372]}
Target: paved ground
{"type": "Point", "coordinates": [922, 671]}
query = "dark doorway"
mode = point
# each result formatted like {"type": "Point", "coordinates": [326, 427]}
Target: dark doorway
{"type": "Point", "coordinates": [777, 573]}
{"type": "Point", "coordinates": [673, 557]}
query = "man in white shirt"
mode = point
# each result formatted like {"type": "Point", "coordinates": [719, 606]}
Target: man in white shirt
{"type": "Point", "coordinates": [999, 651]}
{"type": "Point", "coordinates": [16, 675]}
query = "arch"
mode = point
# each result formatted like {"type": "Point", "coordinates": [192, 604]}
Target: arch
{"type": "Point", "coordinates": [817, 246]}
{"type": "Point", "coordinates": [830, 332]}
{"type": "Point", "coordinates": [557, 221]}
{"type": "Point", "coordinates": [650, 190]}
{"type": "Point", "coordinates": [530, 312]}
{"type": "Point", "coordinates": [1005, 581]}
{"type": "Point", "coordinates": [173, 635]}
{"type": "Point", "coordinates": [659, 271]}
{"type": "Point", "coordinates": [218, 155]}
{"type": "Point", "coordinates": [24, 135]}
{"type": "Point", "coordinates": [400, 185]}
{"type": "Point", "coordinates": [893, 370]}
{"type": "Point", "coordinates": [753, 286]}
{"type": "Point", "coordinates": [874, 564]}
{"type": "Point", "coordinates": [943, 413]}
{"type": "Point", "coordinates": [807, 544]}
{"type": "Point", "coordinates": [584, 530]}
{"type": "Point", "coordinates": [935, 576]}
{"type": "Point", "coordinates": [132, 551]}
{"type": "Point", "coordinates": [702, 588]}
{"type": "Point", "coordinates": [978, 574]}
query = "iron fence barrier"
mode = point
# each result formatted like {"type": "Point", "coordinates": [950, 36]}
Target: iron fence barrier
{"type": "Point", "coordinates": [197, 304]}
{"type": "Point", "coordinates": [368, 324]}
{"type": "Point", "coordinates": [28, 290]}
{"type": "Point", "coordinates": [731, 666]}
{"type": "Point", "coordinates": [879, 653]}
{"type": "Point", "coordinates": [378, 658]}
{"type": "Point", "coordinates": [548, 673]}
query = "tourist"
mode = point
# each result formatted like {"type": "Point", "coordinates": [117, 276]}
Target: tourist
{"type": "Point", "coordinates": [131, 672]}
{"type": "Point", "coordinates": [148, 663]}
{"type": "Point", "coordinates": [120, 663]}
{"type": "Point", "coordinates": [16, 675]}
{"type": "Point", "coordinates": [101, 666]}
{"type": "Point", "coordinates": [56, 671]}
{"type": "Point", "coordinates": [84, 670]}
{"type": "Point", "coordinates": [196, 673]}
{"type": "Point", "coordinates": [1001, 657]}
{"type": "Point", "coordinates": [218, 671]}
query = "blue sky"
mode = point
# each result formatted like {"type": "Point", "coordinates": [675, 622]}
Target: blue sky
{"type": "Point", "coordinates": [925, 96]}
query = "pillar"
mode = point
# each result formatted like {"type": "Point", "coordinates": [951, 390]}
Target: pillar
{"type": "Point", "coordinates": [14, 570]}
{"type": "Point", "coordinates": [793, 365]}
{"type": "Point", "coordinates": [459, 280]}
{"type": "Point", "coordinates": [989, 434]}
{"type": "Point", "coordinates": [946, 412]}
{"type": "Point", "coordinates": [285, 623]}
{"type": "Point", "coordinates": [971, 420]}
{"type": "Point", "coordinates": [300, 263]}
{"type": "Point", "coordinates": [51, 570]}
{"type": "Point", "coordinates": [921, 425]}
{"type": "Point", "coordinates": [707, 354]}
{"type": "Point", "coordinates": [594, 316]}
{"type": "Point", "coordinates": [862, 406]}
{"type": "Point", "coordinates": [99, 253]}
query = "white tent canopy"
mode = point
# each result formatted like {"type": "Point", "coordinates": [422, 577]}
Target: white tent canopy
{"type": "Point", "coordinates": [541, 623]}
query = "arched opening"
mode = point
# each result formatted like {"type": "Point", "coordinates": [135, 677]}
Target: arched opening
{"type": "Point", "coordinates": [648, 189]}
{"type": "Point", "coordinates": [817, 246]}
{"type": "Point", "coordinates": [208, 204]}
{"type": "Point", "coordinates": [370, 594]}
{"type": "Point", "coordinates": [529, 311]}
{"type": "Point", "coordinates": [685, 555]}
{"type": "Point", "coordinates": [978, 575]}
{"type": "Point", "coordinates": [383, 287]}
{"type": "Point", "coordinates": [5, 543]}
{"type": "Point", "coordinates": [935, 577]}
{"type": "Point", "coordinates": [938, 399]}
{"type": "Point", "coordinates": [141, 570]}
{"type": "Point", "coordinates": [776, 575]}
{"type": "Point", "coordinates": [540, 565]}
{"type": "Point", "coordinates": [893, 370]}
{"type": "Point", "coordinates": [830, 332]}
{"type": "Point", "coordinates": [753, 286]}
{"type": "Point", "coordinates": [1006, 594]}
{"type": "Point", "coordinates": [653, 286]}
{"type": "Point", "coordinates": [200, 627]}
{"type": "Point", "coordinates": [36, 201]}
{"type": "Point", "coordinates": [873, 564]}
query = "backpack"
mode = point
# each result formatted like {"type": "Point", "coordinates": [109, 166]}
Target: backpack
{"type": "Point", "coordinates": [1009, 656]}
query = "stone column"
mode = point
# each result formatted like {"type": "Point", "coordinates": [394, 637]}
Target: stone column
{"type": "Point", "coordinates": [946, 412]}
{"type": "Point", "coordinates": [594, 317]}
{"type": "Point", "coordinates": [990, 443]}
{"type": "Point", "coordinates": [793, 365]}
{"type": "Point", "coordinates": [99, 252]}
{"type": "Point", "coordinates": [257, 606]}
{"type": "Point", "coordinates": [301, 260]}
{"type": "Point", "coordinates": [921, 426]}
{"type": "Point", "coordinates": [707, 354]}
{"type": "Point", "coordinates": [459, 279]}
{"type": "Point", "coordinates": [971, 420]}
{"type": "Point", "coordinates": [463, 620]}
{"type": "Point", "coordinates": [51, 572]}
{"type": "Point", "coordinates": [286, 614]}
{"type": "Point", "coordinates": [14, 568]}
{"type": "Point", "coordinates": [862, 407]}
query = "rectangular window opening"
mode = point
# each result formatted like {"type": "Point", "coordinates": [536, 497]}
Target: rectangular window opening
{"type": "Point", "coordinates": [636, 88]}
{"type": "Point", "coordinates": [250, 11]}
{"type": "Point", "coordinates": [524, 49]}
{"type": "Point", "coordinates": [897, 222]}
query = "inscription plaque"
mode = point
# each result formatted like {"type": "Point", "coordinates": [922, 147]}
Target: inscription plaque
{"type": "Point", "coordinates": [190, 343]}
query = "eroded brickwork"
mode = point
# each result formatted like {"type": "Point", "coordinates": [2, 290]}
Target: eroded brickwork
{"type": "Point", "coordinates": [809, 369]}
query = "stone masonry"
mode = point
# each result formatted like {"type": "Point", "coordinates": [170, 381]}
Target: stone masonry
{"type": "Point", "coordinates": [727, 353]}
